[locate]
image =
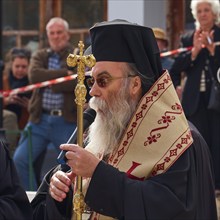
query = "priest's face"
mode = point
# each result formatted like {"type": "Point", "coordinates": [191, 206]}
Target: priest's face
{"type": "Point", "coordinates": [115, 97]}
{"type": "Point", "coordinates": [107, 80]}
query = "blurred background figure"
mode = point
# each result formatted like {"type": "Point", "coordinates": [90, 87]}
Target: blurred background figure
{"type": "Point", "coordinates": [162, 42]}
{"type": "Point", "coordinates": [52, 109]}
{"type": "Point", "coordinates": [14, 201]}
{"type": "Point", "coordinates": [200, 65]}
{"type": "Point", "coordinates": [10, 126]}
{"type": "Point", "coordinates": [15, 115]}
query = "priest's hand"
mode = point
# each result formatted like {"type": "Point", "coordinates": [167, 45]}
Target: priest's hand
{"type": "Point", "coordinates": [82, 162]}
{"type": "Point", "coordinates": [60, 184]}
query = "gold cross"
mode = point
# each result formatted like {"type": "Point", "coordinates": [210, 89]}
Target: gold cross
{"type": "Point", "coordinates": [81, 62]}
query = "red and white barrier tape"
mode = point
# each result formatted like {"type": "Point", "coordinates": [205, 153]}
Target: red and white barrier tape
{"type": "Point", "coordinates": [71, 77]}
{"type": "Point", "coordinates": [180, 50]}
{"type": "Point", "coordinates": [172, 52]}
{"type": "Point", "coordinates": [40, 85]}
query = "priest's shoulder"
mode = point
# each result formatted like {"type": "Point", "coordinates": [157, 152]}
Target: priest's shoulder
{"type": "Point", "coordinates": [196, 134]}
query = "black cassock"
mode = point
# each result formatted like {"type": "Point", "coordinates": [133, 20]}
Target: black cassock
{"type": "Point", "coordinates": [14, 203]}
{"type": "Point", "coordinates": [185, 191]}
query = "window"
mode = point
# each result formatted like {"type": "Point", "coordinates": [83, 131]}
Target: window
{"type": "Point", "coordinates": [20, 20]}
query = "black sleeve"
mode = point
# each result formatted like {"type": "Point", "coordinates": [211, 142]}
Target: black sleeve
{"type": "Point", "coordinates": [185, 191]}
{"type": "Point", "coordinates": [182, 61]}
{"type": "Point", "coordinates": [113, 194]}
{"type": "Point", "coordinates": [45, 207]}
{"type": "Point", "coordinates": [14, 203]}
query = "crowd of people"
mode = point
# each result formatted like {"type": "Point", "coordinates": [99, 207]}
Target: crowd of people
{"type": "Point", "coordinates": [148, 146]}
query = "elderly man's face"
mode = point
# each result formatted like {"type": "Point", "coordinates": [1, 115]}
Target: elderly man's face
{"type": "Point", "coordinates": [108, 80]}
{"type": "Point", "coordinates": [58, 36]}
{"type": "Point", "coordinates": [115, 97]}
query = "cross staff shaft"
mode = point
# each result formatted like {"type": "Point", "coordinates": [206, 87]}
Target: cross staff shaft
{"type": "Point", "coordinates": [80, 93]}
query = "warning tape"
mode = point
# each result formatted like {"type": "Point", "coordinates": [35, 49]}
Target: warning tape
{"type": "Point", "coordinates": [172, 52]}
{"type": "Point", "coordinates": [40, 85]}
{"type": "Point", "coordinates": [74, 76]}
{"type": "Point", "coordinates": [180, 50]}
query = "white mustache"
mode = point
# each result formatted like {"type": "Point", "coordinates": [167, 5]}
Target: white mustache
{"type": "Point", "coordinates": [97, 103]}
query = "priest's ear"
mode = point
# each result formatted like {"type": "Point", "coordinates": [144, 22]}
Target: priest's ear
{"type": "Point", "coordinates": [135, 86]}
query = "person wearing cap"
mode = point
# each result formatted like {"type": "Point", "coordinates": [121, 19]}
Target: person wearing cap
{"type": "Point", "coordinates": [143, 160]}
{"type": "Point", "coordinates": [162, 42]}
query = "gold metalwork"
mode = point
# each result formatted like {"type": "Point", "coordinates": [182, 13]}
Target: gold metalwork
{"type": "Point", "coordinates": [78, 201]}
{"type": "Point", "coordinates": [80, 92]}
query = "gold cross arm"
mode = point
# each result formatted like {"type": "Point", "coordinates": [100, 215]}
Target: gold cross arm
{"type": "Point", "coordinates": [81, 62]}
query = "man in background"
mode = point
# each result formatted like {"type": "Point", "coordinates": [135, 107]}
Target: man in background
{"type": "Point", "coordinates": [52, 109]}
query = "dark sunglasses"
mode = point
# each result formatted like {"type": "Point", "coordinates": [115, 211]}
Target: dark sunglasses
{"type": "Point", "coordinates": [103, 81]}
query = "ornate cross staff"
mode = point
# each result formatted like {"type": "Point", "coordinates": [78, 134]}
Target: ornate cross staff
{"type": "Point", "coordinates": [80, 92]}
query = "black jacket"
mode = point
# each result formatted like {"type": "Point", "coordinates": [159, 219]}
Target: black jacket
{"type": "Point", "coordinates": [193, 70]}
{"type": "Point", "coordinates": [14, 203]}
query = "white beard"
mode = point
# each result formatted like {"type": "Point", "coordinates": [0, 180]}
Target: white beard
{"type": "Point", "coordinates": [110, 123]}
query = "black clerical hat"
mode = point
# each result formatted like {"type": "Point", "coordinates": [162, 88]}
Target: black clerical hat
{"type": "Point", "coordinates": [122, 41]}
